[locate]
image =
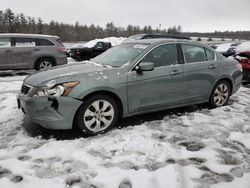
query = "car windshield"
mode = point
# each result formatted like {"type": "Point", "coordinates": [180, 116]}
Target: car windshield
{"type": "Point", "coordinates": [120, 55]}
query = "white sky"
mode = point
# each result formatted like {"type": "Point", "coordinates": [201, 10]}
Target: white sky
{"type": "Point", "coordinates": [192, 15]}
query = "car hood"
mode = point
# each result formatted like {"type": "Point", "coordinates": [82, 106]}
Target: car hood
{"type": "Point", "coordinates": [62, 72]}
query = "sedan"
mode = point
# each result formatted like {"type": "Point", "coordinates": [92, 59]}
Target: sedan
{"type": "Point", "coordinates": [132, 78]}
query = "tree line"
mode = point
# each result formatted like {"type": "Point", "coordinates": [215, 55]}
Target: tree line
{"type": "Point", "coordinates": [20, 23]}
{"type": "Point", "coordinates": [11, 22]}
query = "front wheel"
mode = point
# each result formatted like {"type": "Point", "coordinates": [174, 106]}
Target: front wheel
{"type": "Point", "coordinates": [97, 115]}
{"type": "Point", "coordinates": [220, 94]}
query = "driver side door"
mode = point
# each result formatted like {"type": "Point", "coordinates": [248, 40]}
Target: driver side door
{"type": "Point", "coordinates": [159, 88]}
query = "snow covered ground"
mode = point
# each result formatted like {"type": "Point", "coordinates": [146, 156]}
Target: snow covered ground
{"type": "Point", "coordinates": [242, 47]}
{"type": "Point", "coordinates": [192, 147]}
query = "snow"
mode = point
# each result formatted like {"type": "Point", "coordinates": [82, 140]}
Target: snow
{"type": "Point", "coordinates": [242, 138]}
{"type": "Point", "coordinates": [223, 47]}
{"type": "Point", "coordinates": [113, 40]}
{"type": "Point", "coordinates": [187, 147]}
{"type": "Point", "coordinates": [243, 47]}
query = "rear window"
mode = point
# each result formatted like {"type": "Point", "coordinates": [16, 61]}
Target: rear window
{"type": "Point", "coordinates": [58, 40]}
{"type": "Point", "coordinates": [210, 55]}
{"type": "Point", "coordinates": [44, 42]}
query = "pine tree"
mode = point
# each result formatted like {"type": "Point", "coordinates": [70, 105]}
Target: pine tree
{"type": "Point", "coordinates": [9, 19]}
{"type": "Point", "coordinates": [40, 26]}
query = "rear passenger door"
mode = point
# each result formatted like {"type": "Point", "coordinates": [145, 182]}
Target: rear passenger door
{"type": "Point", "coordinates": [23, 52]}
{"type": "Point", "coordinates": [5, 53]}
{"type": "Point", "coordinates": [200, 72]}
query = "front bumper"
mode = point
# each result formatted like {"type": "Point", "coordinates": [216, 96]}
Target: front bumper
{"type": "Point", "coordinates": [56, 114]}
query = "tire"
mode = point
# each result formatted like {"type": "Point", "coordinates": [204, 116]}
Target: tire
{"type": "Point", "coordinates": [97, 115]}
{"type": "Point", "coordinates": [220, 94]}
{"type": "Point", "coordinates": [44, 64]}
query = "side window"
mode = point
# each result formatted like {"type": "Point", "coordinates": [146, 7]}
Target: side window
{"type": "Point", "coordinates": [24, 42]}
{"type": "Point", "coordinates": [44, 42]}
{"type": "Point", "coordinates": [163, 55]}
{"type": "Point", "coordinates": [194, 53]}
{"type": "Point", "coordinates": [5, 42]}
{"type": "Point", "coordinates": [210, 55]}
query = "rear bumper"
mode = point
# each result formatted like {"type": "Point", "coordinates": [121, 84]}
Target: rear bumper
{"type": "Point", "coordinates": [57, 114]}
{"type": "Point", "coordinates": [237, 81]}
{"type": "Point", "coordinates": [61, 60]}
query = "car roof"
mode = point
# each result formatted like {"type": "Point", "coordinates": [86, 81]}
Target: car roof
{"type": "Point", "coordinates": [159, 41]}
{"type": "Point", "coordinates": [26, 35]}
{"type": "Point", "coordinates": [156, 35]}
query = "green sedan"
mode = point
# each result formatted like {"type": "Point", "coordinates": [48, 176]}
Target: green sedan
{"type": "Point", "coordinates": [133, 78]}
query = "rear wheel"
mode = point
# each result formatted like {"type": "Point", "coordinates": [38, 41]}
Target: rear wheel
{"type": "Point", "coordinates": [220, 94]}
{"type": "Point", "coordinates": [44, 64]}
{"type": "Point", "coordinates": [97, 115]}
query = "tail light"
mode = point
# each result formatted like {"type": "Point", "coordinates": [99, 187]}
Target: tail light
{"type": "Point", "coordinates": [62, 49]}
{"type": "Point", "coordinates": [245, 63]}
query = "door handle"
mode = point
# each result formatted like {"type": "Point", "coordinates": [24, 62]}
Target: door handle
{"type": "Point", "coordinates": [175, 72]}
{"type": "Point", "coordinates": [212, 66]}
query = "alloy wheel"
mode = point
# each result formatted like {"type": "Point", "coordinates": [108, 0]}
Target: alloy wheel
{"type": "Point", "coordinates": [221, 94]}
{"type": "Point", "coordinates": [45, 65]}
{"type": "Point", "coordinates": [98, 115]}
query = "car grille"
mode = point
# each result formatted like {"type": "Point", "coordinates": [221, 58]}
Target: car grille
{"type": "Point", "coordinates": [25, 89]}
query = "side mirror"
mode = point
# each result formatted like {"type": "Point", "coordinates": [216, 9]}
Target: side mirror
{"type": "Point", "coordinates": [145, 66]}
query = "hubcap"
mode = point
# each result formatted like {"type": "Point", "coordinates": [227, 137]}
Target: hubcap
{"type": "Point", "coordinates": [45, 65]}
{"type": "Point", "coordinates": [221, 94]}
{"type": "Point", "coordinates": [99, 115]}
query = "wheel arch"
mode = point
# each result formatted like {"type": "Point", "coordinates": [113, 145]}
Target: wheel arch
{"type": "Point", "coordinates": [103, 92]}
{"type": "Point", "coordinates": [228, 80]}
{"type": "Point", "coordinates": [108, 93]}
{"type": "Point", "coordinates": [44, 57]}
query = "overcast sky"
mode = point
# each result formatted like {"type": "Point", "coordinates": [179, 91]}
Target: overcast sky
{"type": "Point", "coordinates": [192, 15]}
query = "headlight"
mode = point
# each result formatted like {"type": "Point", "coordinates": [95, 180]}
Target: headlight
{"type": "Point", "coordinates": [55, 90]}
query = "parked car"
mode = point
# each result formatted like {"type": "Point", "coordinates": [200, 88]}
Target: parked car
{"type": "Point", "coordinates": [132, 78]}
{"type": "Point", "coordinates": [29, 51]}
{"type": "Point", "coordinates": [230, 52]}
{"type": "Point", "coordinates": [154, 36]}
{"type": "Point", "coordinates": [80, 53]}
{"type": "Point", "coordinates": [244, 59]}
{"type": "Point", "coordinates": [228, 49]}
